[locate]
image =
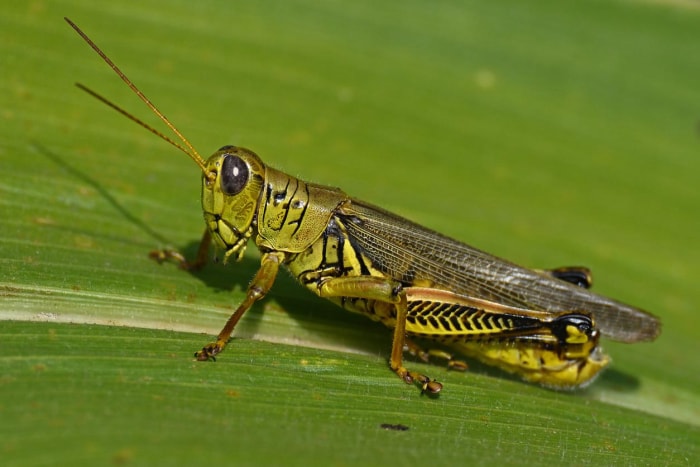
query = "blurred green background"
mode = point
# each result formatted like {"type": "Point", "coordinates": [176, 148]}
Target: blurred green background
{"type": "Point", "coordinates": [550, 133]}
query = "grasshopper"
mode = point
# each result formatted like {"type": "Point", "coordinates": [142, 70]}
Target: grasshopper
{"type": "Point", "coordinates": [543, 325]}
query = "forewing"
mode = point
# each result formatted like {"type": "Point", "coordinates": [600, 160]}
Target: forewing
{"type": "Point", "coordinates": [413, 254]}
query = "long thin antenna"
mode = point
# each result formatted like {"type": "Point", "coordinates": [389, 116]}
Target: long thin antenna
{"type": "Point", "coordinates": [192, 153]}
{"type": "Point", "coordinates": [140, 122]}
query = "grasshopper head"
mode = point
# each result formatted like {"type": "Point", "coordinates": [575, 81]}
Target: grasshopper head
{"type": "Point", "coordinates": [231, 188]}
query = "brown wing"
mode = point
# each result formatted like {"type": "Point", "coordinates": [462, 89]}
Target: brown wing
{"type": "Point", "coordinates": [415, 255]}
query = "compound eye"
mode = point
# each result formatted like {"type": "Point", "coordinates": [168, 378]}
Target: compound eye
{"type": "Point", "coordinates": [234, 174]}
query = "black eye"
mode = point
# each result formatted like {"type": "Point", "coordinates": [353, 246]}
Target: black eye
{"type": "Point", "coordinates": [234, 175]}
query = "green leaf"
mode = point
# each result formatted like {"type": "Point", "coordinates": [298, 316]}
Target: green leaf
{"type": "Point", "coordinates": [550, 133]}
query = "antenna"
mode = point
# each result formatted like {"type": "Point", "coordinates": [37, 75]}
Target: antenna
{"type": "Point", "coordinates": [190, 150]}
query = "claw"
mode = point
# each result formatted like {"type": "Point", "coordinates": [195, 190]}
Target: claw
{"type": "Point", "coordinates": [457, 365]}
{"type": "Point", "coordinates": [208, 352]}
{"type": "Point", "coordinates": [428, 386]}
{"type": "Point", "coordinates": [431, 387]}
